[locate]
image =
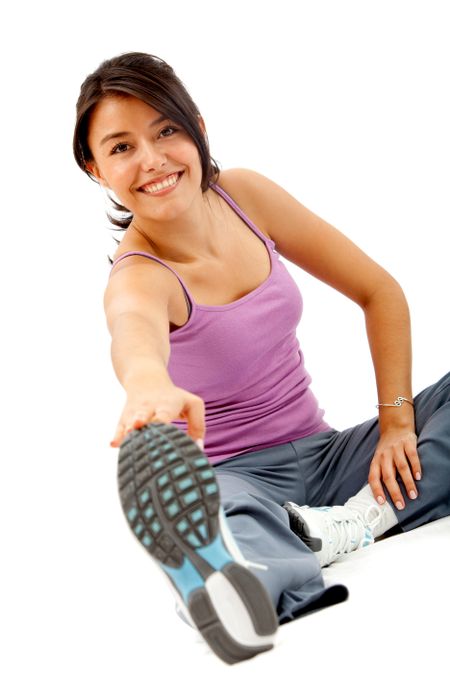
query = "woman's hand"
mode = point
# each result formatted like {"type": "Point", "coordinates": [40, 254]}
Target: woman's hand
{"type": "Point", "coordinates": [164, 405]}
{"type": "Point", "coordinates": [396, 453]}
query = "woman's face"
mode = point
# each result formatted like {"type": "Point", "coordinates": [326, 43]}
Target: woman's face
{"type": "Point", "coordinates": [134, 150]}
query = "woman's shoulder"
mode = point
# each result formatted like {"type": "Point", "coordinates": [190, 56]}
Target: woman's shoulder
{"type": "Point", "coordinates": [243, 186]}
{"type": "Point", "coordinates": [133, 240]}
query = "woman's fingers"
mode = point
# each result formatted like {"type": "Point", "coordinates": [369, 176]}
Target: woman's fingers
{"type": "Point", "coordinates": [375, 482]}
{"type": "Point", "coordinates": [140, 418]}
{"type": "Point", "coordinates": [196, 418]}
{"type": "Point", "coordinates": [161, 415]}
{"type": "Point", "coordinates": [393, 487]}
{"type": "Point", "coordinates": [389, 467]}
{"type": "Point", "coordinates": [193, 411]}
{"type": "Point", "coordinates": [119, 435]}
{"type": "Point", "coordinates": [413, 456]}
{"type": "Point", "coordinates": [404, 469]}
{"type": "Point", "coordinates": [172, 404]}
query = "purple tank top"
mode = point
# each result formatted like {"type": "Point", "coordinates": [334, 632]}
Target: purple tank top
{"type": "Point", "coordinates": [244, 360]}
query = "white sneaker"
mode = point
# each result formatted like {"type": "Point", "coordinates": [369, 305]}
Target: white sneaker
{"type": "Point", "coordinates": [332, 531]}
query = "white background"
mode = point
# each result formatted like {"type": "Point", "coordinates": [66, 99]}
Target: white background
{"type": "Point", "coordinates": [343, 103]}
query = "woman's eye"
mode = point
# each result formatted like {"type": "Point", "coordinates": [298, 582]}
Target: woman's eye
{"type": "Point", "coordinates": [171, 129]}
{"type": "Point", "coordinates": [119, 148]}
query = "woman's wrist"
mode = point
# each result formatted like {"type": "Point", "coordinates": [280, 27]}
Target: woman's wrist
{"type": "Point", "coordinates": [146, 375]}
{"type": "Point", "coordinates": [399, 401]}
{"type": "Point", "coordinates": [401, 417]}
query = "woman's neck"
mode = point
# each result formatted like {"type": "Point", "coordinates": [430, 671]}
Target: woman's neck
{"type": "Point", "coordinates": [197, 234]}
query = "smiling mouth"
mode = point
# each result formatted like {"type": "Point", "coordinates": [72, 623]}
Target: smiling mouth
{"type": "Point", "coordinates": [160, 186]}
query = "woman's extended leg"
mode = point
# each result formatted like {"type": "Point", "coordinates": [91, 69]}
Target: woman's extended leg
{"type": "Point", "coordinates": [170, 499]}
{"type": "Point", "coordinates": [253, 488]}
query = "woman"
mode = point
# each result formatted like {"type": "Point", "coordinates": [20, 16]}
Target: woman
{"type": "Point", "coordinates": [203, 317]}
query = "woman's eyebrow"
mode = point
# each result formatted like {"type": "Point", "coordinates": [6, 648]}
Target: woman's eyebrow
{"type": "Point", "coordinates": [109, 137]}
{"type": "Point", "coordinates": [116, 134]}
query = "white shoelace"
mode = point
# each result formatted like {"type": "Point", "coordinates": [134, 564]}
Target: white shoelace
{"type": "Point", "coordinates": [361, 507]}
{"type": "Point", "coordinates": [344, 533]}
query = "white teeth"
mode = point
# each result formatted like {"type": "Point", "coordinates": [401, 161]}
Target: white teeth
{"type": "Point", "coordinates": [156, 187]}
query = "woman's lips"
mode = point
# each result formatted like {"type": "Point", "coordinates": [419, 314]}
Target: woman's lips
{"type": "Point", "coordinates": [146, 188]}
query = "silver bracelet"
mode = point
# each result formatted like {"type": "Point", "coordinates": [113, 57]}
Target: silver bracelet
{"type": "Point", "coordinates": [397, 403]}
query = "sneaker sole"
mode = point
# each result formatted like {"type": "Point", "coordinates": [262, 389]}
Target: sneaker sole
{"type": "Point", "coordinates": [171, 502]}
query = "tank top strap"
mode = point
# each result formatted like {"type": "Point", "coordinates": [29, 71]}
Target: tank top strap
{"type": "Point", "coordinates": [240, 213]}
{"type": "Point", "coordinates": [152, 257]}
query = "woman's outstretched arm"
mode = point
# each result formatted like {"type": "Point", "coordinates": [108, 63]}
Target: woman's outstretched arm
{"type": "Point", "coordinates": [136, 305]}
{"type": "Point", "coordinates": [320, 249]}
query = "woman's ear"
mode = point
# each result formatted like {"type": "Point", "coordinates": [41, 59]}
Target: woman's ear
{"type": "Point", "coordinates": [91, 167]}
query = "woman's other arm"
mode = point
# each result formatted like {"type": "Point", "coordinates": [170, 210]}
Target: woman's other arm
{"type": "Point", "coordinates": [320, 249]}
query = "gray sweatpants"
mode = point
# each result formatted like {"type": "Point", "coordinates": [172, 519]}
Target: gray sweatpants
{"type": "Point", "coordinates": [322, 470]}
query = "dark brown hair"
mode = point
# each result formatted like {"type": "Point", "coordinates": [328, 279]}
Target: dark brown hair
{"type": "Point", "coordinates": [154, 82]}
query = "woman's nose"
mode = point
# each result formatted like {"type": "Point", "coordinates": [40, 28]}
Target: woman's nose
{"type": "Point", "coordinates": [151, 157]}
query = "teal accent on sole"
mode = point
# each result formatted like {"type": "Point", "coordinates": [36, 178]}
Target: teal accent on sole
{"type": "Point", "coordinates": [197, 515]}
{"type": "Point", "coordinates": [185, 483]}
{"type": "Point", "coordinates": [163, 480]}
{"type": "Point", "coordinates": [185, 578]}
{"type": "Point", "coordinates": [200, 461]}
{"type": "Point", "coordinates": [215, 553]}
{"type": "Point", "coordinates": [173, 509]}
{"type": "Point", "coordinates": [193, 540]}
{"type": "Point", "coordinates": [190, 497]}
{"type": "Point", "coordinates": [182, 526]}
{"type": "Point", "coordinates": [132, 513]}
{"type": "Point", "coordinates": [149, 512]}
{"type": "Point", "coordinates": [155, 526]}
{"type": "Point", "coordinates": [145, 496]}
{"type": "Point", "coordinates": [167, 494]}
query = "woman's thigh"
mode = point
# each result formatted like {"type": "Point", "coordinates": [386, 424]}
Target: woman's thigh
{"type": "Point", "coordinates": [273, 473]}
{"type": "Point", "coordinates": [340, 468]}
